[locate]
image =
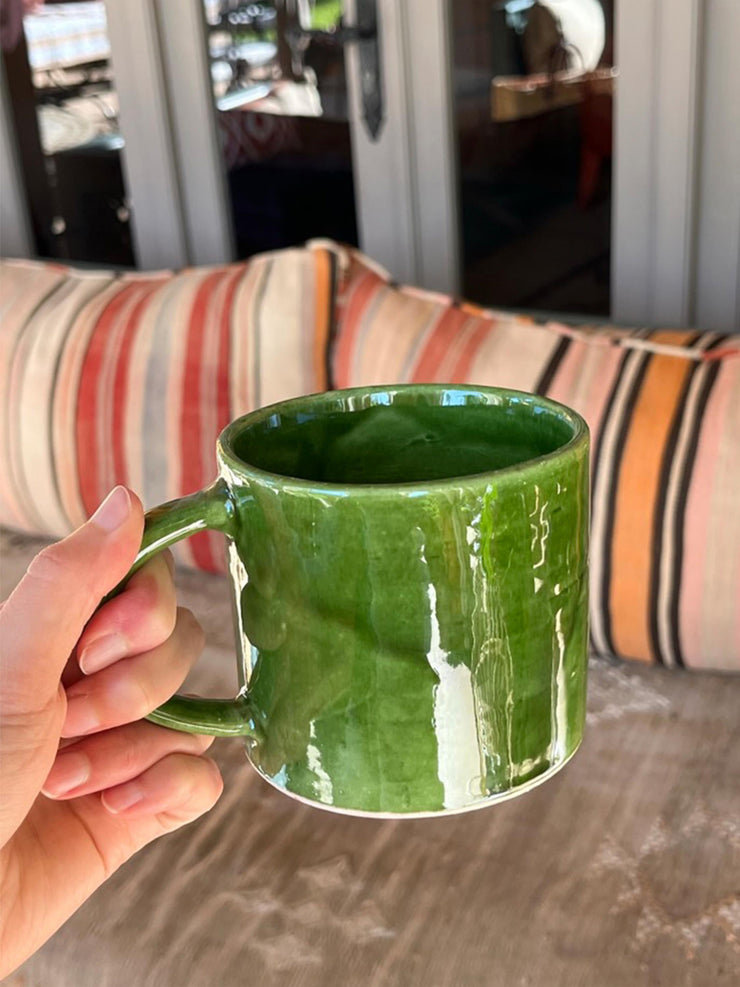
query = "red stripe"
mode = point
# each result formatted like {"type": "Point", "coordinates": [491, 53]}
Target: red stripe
{"type": "Point", "coordinates": [191, 459]}
{"type": "Point", "coordinates": [438, 346]}
{"type": "Point", "coordinates": [351, 318]}
{"type": "Point", "coordinates": [88, 454]}
{"type": "Point", "coordinates": [120, 383]}
{"type": "Point", "coordinates": [461, 373]}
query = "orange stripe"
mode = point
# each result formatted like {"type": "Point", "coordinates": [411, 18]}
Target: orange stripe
{"type": "Point", "coordinates": [322, 318]}
{"type": "Point", "coordinates": [637, 492]}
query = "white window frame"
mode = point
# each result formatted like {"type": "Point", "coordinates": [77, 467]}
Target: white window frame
{"type": "Point", "coordinates": [655, 163]}
{"type": "Point", "coordinates": [205, 205]}
{"type": "Point", "coordinates": [149, 161]}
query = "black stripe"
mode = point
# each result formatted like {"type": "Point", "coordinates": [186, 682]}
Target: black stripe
{"type": "Point", "coordinates": [656, 553]}
{"type": "Point", "coordinates": [630, 356]}
{"type": "Point", "coordinates": [543, 384]}
{"type": "Point", "coordinates": [596, 456]}
{"type": "Point", "coordinates": [331, 339]}
{"type": "Point", "coordinates": [613, 481]}
{"type": "Point", "coordinates": [683, 493]}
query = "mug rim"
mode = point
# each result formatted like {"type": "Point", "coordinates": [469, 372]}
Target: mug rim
{"type": "Point", "coordinates": [228, 457]}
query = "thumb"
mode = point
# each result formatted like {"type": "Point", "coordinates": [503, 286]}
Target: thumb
{"type": "Point", "coordinates": [46, 613]}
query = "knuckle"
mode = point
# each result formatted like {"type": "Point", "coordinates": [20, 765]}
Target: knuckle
{"type": "Point", "coordinates": [143, 699]}
{"type": "Point", "coordinates": [51, 567]}
{"type": "Point", "coordinates": [183, 777]}
{"type": "Point", "coordinates": [161, 621]}
{"type": "Point", "coordinates": [47, 565]}
{"type": "Point", "coordinates": [130, 758]}
{"type": "Point", "coordinates": [156, 600]}
{"type": "Point", "coordinates": [145, 591]}
{"type": "Point", "coordinates": [189, 627]}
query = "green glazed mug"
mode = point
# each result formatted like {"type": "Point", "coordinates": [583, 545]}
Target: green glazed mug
{"type": "Point", "coordinates": [409, 570]}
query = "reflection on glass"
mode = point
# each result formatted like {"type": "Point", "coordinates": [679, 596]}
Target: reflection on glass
{"type": "Point", "coordinates": [65, 112]}
{"type": "Point", "coordinates": [280, 93]}
{"type": "Point", "coordinates": [534, 84]}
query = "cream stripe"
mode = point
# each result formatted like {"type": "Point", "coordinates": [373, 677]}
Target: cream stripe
{"type": "Point", "coordinates": [28, 414]}
{"type": "Point", "coordinates": [719, 615]}
{"type": "Point", "coordinates": [30, 519]}
{"type": "Point", "coordinates": [513, 356]}
{"type": "Point", "coordinates": [136, 444]}
{"type": "Point", "coordinates": [393, 337]}
{"type": "Point", "coordinates": [307, 306]}
{"type": "Point", "coordinates": [593, 385]}
{"type": "Point", "coordinates": [209, 399]}
{"type": "Point", "coordinates": [239, 382]}
{"type": "Point", "coordinates": [696, 519]}
{"type": "Point", "coordinates": [284, 328]}
{"type": "Point", "coordinates": [23, 288]}
{"type": "Point", "coordinates": [209, 381]}
{"type": "Point", "coordinates": [664, 349]}
{"type": "Point", "coordinates": [167, 316]}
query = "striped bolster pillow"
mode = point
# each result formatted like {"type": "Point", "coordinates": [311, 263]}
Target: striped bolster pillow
{"type": "Point", "coordinates": [664, 412]}
{"type": "Point", "coordinates": [107, 379]}
{"type": "Point", "coordinates": [129, 378]}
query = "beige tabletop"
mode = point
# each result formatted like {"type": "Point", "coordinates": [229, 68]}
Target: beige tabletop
{"type": "Point", "coordinates": [622, 871]}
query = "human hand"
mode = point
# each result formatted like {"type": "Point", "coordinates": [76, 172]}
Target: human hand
{"type": "Point", "coordinates": [85, 781]}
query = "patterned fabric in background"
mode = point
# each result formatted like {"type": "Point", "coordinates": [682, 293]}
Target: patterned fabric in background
{"type": "Point", "coordinates": [130, 378]}
{"type": "Point", "coordinates": [664, 411]}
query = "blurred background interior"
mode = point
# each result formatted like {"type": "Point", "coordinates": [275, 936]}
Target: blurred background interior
{"type": "Point", "coordinates": [487, 170]}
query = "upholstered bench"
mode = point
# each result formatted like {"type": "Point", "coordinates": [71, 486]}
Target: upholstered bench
{"type": "Point", "coordinates": [625, 869]}
{"type": "Point", "coordinates": [129, 378]}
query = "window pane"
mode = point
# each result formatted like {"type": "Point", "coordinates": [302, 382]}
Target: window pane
{"type": "Point", "coordinates": [65, 112]}
{"type": "Point", "coordinates": [534, 83]}
{"type": "Point", "coordinates": [281, 104]}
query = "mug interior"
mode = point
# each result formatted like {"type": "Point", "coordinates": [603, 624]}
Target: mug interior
{"type": "Point", "coordinates": [407, 434]}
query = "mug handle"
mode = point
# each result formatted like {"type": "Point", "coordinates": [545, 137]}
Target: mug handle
{"type": "Point", "coordinates": [212, 509]}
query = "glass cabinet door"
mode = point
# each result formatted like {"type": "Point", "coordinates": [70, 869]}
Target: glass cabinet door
{"type": "Point", "coordinates": [280, 96]}
{"type": "Point", "coordinates": [63, 108]}
{"type": "Point", "coordinates": [533, 91]}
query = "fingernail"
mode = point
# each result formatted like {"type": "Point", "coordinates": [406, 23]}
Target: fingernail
{"type": "Point", "coordinates": [114, 510]}
{"type": "Point", "coordinates": [122, 797]}
{"type": "Point", "coordinates": [81, 717]}
{"type": "Point", "coordinates": [102, 652]}
{"type": "Point", "coordinates": [71, 769]}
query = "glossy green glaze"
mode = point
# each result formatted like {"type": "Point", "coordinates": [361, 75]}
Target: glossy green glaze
{"type": "Point", "coordinates": [410, 575]}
